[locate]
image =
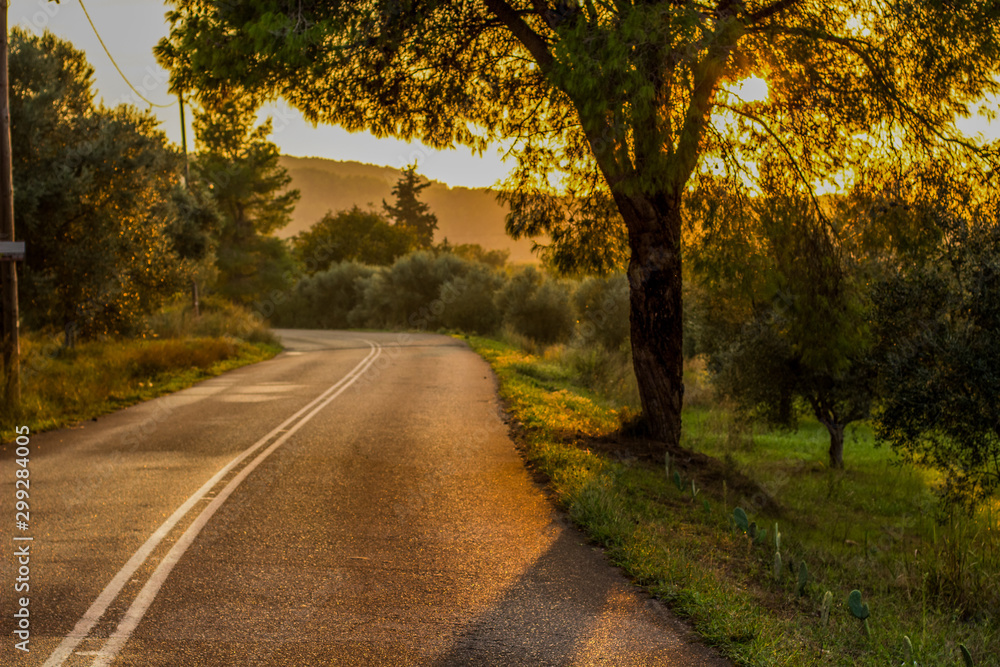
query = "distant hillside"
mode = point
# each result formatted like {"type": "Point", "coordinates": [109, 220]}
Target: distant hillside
{"type": "Point", "coordinates": [465, 215]}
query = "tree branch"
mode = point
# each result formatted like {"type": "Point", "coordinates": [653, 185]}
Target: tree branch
{"type": "Point", "coordinates": [531, 40]}
{"type": "Point", "coordinates": [706, 78]}
{"type": "Point", "coordinates": [787, 151]}
{"type": "Point", "coordinates": [857, 47]}
{"type": "Point", "coordinates": [771, 10]}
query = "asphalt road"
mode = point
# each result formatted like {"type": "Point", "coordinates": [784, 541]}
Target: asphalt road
{"type": "Point", "coordinates": [354, 501]}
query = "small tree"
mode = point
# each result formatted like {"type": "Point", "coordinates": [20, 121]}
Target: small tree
{"type": "Point", "coordinates": [795, 325]}
{"type": "Point", "coordinates": [239, 165]}
{"type": "Point", "coordinates": [352, 235]}
{"type": "Point", "coordinates": [408, 211]}
{"type": "Point", "coordinates": [939, 348]}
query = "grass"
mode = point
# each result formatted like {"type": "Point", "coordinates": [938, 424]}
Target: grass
{"type": "Point", "coordinates": [872, 527]}
{"type": "Point", "coordinates": [61, 386]}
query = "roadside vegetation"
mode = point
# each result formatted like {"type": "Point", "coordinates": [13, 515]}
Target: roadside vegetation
{"type": "Point", "coordinates": [877, 527]}
{"type": "Point", "coordinates": [121, 243]}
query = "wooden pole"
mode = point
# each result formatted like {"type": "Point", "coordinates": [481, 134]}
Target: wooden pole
{"type": "Point", "coordinates": [8, 270]}
{"type": "Point", "coordinates": [196, 307]}
{"type": "Point", "coordinates": [184, 143]}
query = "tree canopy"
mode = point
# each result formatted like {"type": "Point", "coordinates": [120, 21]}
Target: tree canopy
{"type": "Point", "coordinates": [352, 235]}
{"type": "Point", "coordinates": [95, 196]}
{"type": "Point", "coordinates": [614, 102]}
{"type": "Point", "coordinates": [939, 348]}
{"type": "Point", "coordinates": [238, 166]}
{"type": "Point", "coordinates": [784, 312]}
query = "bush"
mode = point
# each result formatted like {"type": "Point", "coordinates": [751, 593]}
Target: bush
{"type": "Point", "coordinates": [939, 352]}
{"type": "Point", "coordinates": [219, 319]}
{"type": "Point", "coordinates": [406, 294]}
{"type": "Point", "coordinates": [325, 300]}
{"type": "Point", "coordinates": [535, 307]}
{"type": "Point", "coordinates": [602, 308]}
{"type": "Point", "coordinates": [468, 302]}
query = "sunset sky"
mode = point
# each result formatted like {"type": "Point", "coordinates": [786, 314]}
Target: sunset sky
{"type": "Point", "coordinates": [130, 29]}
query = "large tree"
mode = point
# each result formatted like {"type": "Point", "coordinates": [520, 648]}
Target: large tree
{"type": "Point", "coordinates": [627, 99]}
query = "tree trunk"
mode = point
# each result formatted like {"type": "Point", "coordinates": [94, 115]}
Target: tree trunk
{"type": "Point", "coordinates": [656, 318]}
{"type": "Point", "coordinates": [836, 444]}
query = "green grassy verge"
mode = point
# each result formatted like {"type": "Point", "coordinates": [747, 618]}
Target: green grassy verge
{"type": "Point", "coordinates": [62, 386]}
{"type": "Point", "coordinates": [871, 527]}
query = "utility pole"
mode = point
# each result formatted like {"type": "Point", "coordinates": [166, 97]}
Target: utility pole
{"type": "Point", "coordinates": [8, 269]}
{"type": "Point", "coordinates": [184, 143]}
{"type": "Point", "coordinates": [196, 307]}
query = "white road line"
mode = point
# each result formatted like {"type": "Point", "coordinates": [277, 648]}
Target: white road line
{"type": "Point", "coordinates": [148, 593]}
{"type": "Point", "coordinates": [114, 587]}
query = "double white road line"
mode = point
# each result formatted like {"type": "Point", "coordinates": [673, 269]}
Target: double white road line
{"type": "Point", "coordinates": [145, 598]}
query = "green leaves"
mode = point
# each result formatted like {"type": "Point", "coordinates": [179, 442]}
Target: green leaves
{"type": "Point", "coordinates": [95, 198]}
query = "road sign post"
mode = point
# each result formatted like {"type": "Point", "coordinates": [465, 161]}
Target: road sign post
{"type": "Point", "coordinates": [8, 269]}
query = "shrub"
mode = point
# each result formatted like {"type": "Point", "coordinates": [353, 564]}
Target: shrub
{"type": "Point", "coordinates": [535, 307]}
{"type": "Point", "coordinates": [468, 301]}
{"type": "Point", "coordinates": [219, 319]}
{"type": "Point", "coordinates": [406, 294]}
{"type": "Point", "coordinates": [325, 300]}
{"type": "Point", "coordinates": [602, 309]}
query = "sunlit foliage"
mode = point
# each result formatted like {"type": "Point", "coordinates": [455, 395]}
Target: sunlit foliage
{"type": "Point", "coordinates": [95, 197]}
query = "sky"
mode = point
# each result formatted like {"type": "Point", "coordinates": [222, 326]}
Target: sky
{"type": "Point", "coordinates": [130, 29]}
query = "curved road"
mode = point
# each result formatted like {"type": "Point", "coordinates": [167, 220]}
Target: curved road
{"type": "Point", "coordinates": [354, 501]}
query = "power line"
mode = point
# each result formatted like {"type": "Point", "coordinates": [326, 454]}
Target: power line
{"type": "Point", "coordinates": [122, 74]}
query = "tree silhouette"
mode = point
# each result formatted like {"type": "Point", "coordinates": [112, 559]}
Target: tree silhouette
{"type": "Point", "coordinates": [408, 211]}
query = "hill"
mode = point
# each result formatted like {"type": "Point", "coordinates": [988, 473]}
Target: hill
{"type": "Point", "coordinates": [465, 215]}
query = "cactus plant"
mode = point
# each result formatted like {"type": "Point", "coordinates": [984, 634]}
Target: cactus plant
{"type": "Point", "coordinates": [694, 489]}
{"type": "Point", "coordinates": [859, 609]}
{"type": "Point", "coordinates": [752, 531]}
{"type": "Point", "coordinates": [803, 578]}
{"type": "Point", "coordinates": [740, 517]}
{"type": "Point", "coordinates": [777, 566]}
{"type": "Point", "coordinates": [966, 656]}
{"type": "Point", "coordinates": [678, 482]}
{"type": "Point", "coordinates": [907, 650]}
{"type": "Point", "coordinates": [777, 537]}
{"type": "Point", "coordinates": [708, 508]}
{"type": "Point", "coordinates": [824, 613]}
